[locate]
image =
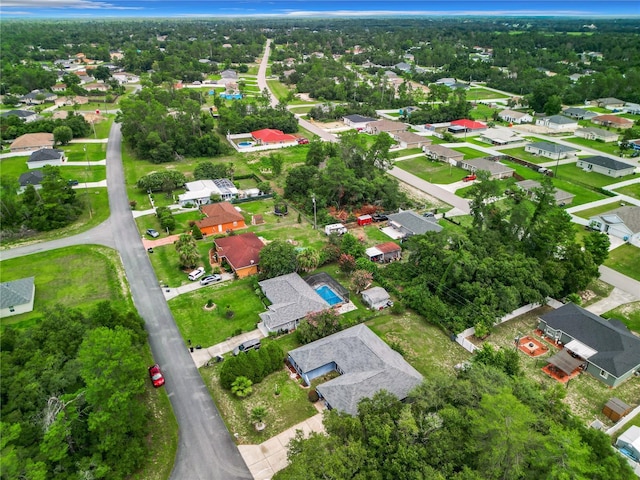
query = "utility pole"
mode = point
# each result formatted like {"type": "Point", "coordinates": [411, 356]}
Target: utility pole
{"type": "Point", "coordinates": [313, 199]}
{"type": "Point", "coordinates": [86, 187]}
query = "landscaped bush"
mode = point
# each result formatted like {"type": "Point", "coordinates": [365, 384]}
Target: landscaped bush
{"type": "Point", "coordinates": [313, 396]}
{"type": "Point", "coordinates": [255, 365]}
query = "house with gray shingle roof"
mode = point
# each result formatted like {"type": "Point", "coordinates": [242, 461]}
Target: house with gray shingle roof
{"type": "Point", "coordinates": [46, 156]}
{"type": "Point", "coordinates": [623, 222]}
{"type": "Point", "coordinates": [610, 352]}
{"type": "Point", "coordinates": [579, 113]}
{"type": "Point", "coordinates": [598, 134]}
{"type": "Point", "coordinates": [557, 122]}
{"type": "Point", "coordinates": [33, 177]}
{"type": "Point", "coordinates": [549, 150]}
{"type": "Point", "coordinates": [25, 115]}
{"type": "Point", "coordinates": [606, 166]}
{"type": "Point", "coordinates": [530, 186]}
{"type": "Point", "coordinates": [357, 121]}
{"type": "Point", "coordinates": [366, 365]}
{"type": "Point", "coordinates": [17, 297]}
{"type": "Point", "coordinates": [291, 299]}
{"type": "Point", "coordinates": [409, 223]}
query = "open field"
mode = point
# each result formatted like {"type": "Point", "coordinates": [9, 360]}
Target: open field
{"type": "Point", "coordinates": [482, 112]}
{"type": "Point", "coordinates": [571, 172]}
{"type": "Point", "coordinates": [77, 277]}
{"type": "Point", "coordinates": [433, 172]}
{"type": "Point", "coordinates": [630, 190]}
{"type": "Point", "coordinates": [75, 152]}
{"type": "Point", "coordinates": [628, 313]}
{"type": "Point", "coordinates": [483, 94]}
{"type": "Point", "coordinates": [13, 167]}
{"type": "Point", "coordinates": [469, 152]}
{"type": "Point", "coordinates": [610, 148]}
{"type": "Point", "coordinates": [626, 260]}
{"type": "Point", "coordinates": [522, 155]}
{"type": "Point", "coordinates": [590, 212]}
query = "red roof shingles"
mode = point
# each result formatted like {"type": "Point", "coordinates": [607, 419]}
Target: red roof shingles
{"type": "Point", "coordinates": [388, 247]}
{"type": "Point", "coordinates": [469, 124]}
{"type": "Point", "coordinates": [219, 214]}
{"type": "Point", "coordinates": [270, 135]}
{"type": "Point", "coordinates": [240, 250]}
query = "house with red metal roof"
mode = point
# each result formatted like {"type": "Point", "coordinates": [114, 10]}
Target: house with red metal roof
{"type": "Point", "coordinates": [466, 126]}
{"type": "Point", "coordinates": [270, 136]}
{"type": "Point", "coordinates": [612, 121]}
{"type": "Point", "coordinates": [384, 252]}
{"type": "Point", "coordinates": [241, 252]}
{"type": "Point", "coordinates": [220, 218]}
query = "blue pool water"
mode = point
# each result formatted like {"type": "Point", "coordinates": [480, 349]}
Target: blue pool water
{"type": "Point", "coordinates": [245, 144]}
{"type": "Point", "coordinates": [329, 295]}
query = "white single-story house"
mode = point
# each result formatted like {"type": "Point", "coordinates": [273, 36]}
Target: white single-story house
{"type": "Point", "coordinates": [579, 113]}
{"type": "Point", "coordinates": [513, 116]}
{"type": "Point", "coordinates": [199, 192]}
{"type": "Point", "coordinates": [622, 222]}
{"type": "Point", "coordinates": [633, 108]}
{"type": "Point", "coordinates": [32, 177]}
{"type": "Point", "coordinates": [605, 166]}
{"type": "Point", "coordinates": [46, 156]}
{"type": "Point", "coordinates": [365, 363]}
{"type": "Point", "coordinates": [630, 442]}
{"type": "Point", "coordinates": [553, 151]}
{"type": "Point", "coordinates": [610, 103]}
{"type": "Point", "coordinates": [606, 348]}
{"type": "Point", "coordinates": [558, 122]}
{"type": "Point", "coordinates": [376, 298]}
{"type": "Point", "coordinates": [442, 154]}
{"type": "Point", "coordinates": [17, 296]}
{"type": "Point", "coordinates": [500, 136]}
{"type": "Point", "coordinates": [496, 169]}
{"type": "Point", "coordinates": [26, 115]}
{"type": "Point", "coordinates": [599, 134]}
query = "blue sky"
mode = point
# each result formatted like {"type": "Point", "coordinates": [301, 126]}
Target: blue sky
{"type": "Point", "coordinates": [302, 8]}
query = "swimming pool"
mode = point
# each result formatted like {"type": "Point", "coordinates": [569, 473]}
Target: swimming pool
{"type": "Point", "coordinates": [245, 144]}
{"type": "Point", "coordinates": [331, 297]}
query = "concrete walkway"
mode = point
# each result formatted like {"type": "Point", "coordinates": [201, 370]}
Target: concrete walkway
{"type": "Point", "coordinates": [202, 355]}
{"type": "Point", "coordinates": [269, 457]}
{"type": "Point", "coordinates": [81, 185]}
{"type": "Point", "coordinates": [170, 293]}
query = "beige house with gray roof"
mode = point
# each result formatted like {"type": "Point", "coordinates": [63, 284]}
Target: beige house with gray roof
{"type": "Point", "coordinates": [17, 296]}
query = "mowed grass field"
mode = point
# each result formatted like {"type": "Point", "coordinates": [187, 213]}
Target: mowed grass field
{"type": "Point", "coordinates": [433, 172]}
{"type": "Point", "coordinates": [626, 260]}
{"type": "Point", "coordinates": [77, 277]}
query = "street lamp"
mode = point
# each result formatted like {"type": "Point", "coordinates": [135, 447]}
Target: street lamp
{"type": "Point", "coordinates": [313, 199]}
{"type": "Point", "coordinates": [86, 186]}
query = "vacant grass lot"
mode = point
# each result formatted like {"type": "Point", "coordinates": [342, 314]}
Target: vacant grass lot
{"type": "Point", "coordinates": [522, 155]}
{"type": "Point", "coordinates": [469, 152]}
{"type": "Point", "coordinates": [280, 90]}
{"type": "Point", "coordinates": [77, 277]}
{"type": "Point", "coordinates": [207, 328]}
{"type": "Point", "coordinates": [630, 190]}
{"type": "Point", "coordinates": [483, 94]}
{"type": "Point", "coordinates": [626, 260]}
{"type": "Point", "coordinates": [432, 171]}
{"type": "Point", "coordinates": [585, 395]}
{"type": "Point", "coordinates": [610, 148]}
{"type": "Point", "coordinates": [628, 313]}
{"type": "Point", "coordinates": [597, 210]}
{"type": "Point", "coordinates": [95, 151]}
{"type": "Point", "coordinates": [482, 112]}
{"type": "Point", "coordinates": [13, 167]}
{"type": "Point", "coordinates": [571, 172]}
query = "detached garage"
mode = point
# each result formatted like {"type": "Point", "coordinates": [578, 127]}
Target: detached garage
{"type": "Point", "coordinates": [376, 298]}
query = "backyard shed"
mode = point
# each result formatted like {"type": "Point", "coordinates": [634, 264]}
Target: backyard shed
{"type": "Point", "coordinates": [365, 220]}
{"type": "Point", "coordinates": [615, 409]}
{"type": "Point", "coordinates": [376, 298]}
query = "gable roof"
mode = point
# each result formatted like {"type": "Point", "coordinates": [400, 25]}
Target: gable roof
{"type": "Point", "coordinates": [291, 299]}
{"type": "Point", "coordinates": [355, 118]}
{"type": "Point", "coordinates": [368, 365]}
{"type": "Point", "coordinates": [617, 349]}
{"type": "Point", "coordinates": [469, 124]}
{"type": "Point", "coordinates": [240, 250]}
{"type": "Point", "coordinates": [494, 168]}
{"type": "Point", "coordinates": [513, 114]}
{"type": "Point", "coordinates": [629, 215]}
{"type": "Point", "coordinates": [219, 214]}
{"type": "Point", "coordinates": [389, 247]}
{"type": "Point", "coordinates": [45, 154]}
{"type": "Point", "coordinates": [559, 120]}
{"type": "Point", "coordinates": [601, 132]}
{"type": "Point", "coordinates": [607, 162]}
{"type": "Point", "coordinates": [552, 147]}
{"type": "Point", "coordinates": [417, 224]}
{"type": "Point", "coordinates": [376, 294]}
{"type": "Point", "coordinates": [410, 137]}
{"type": "Point", "coordinates": [16, 292]}
{"type": "Point", "coordinates": [32, 177]}
{"type": "Point", "coordinates": [444, 151]}
{"type": "Point", "coordinates": [387, 126]}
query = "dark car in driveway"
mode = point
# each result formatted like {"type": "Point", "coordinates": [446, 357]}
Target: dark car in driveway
{"type": "Point", "coordinates": [156, 375]}
{"type": "Point", "coordinates": [378, 217]}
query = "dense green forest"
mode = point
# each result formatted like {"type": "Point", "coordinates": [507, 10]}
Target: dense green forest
{"type": "Point", "coordinates": [73, 396]}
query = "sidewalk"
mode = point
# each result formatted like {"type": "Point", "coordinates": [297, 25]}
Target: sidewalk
{"type": "Point", "coordinates": [269, 457]}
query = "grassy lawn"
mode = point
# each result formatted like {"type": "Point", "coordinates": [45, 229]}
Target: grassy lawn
{"type": "Point", "coordinates": [95, 151]}
{"type": "Point", "coordinates": [207, 328]}
{"type": "Point", "coordinates": [482, 112]}
{"type": "Point", "coordinates": [77, 277]}
{"type": "Point", "coordinates": [405, 152]}
{"type": "Point", "coordinates": [628, 313]}
{"type": "Point", "coordinates": [285, 410]}
{"type": "Point", "coordinates": [585, 395]}
{"type": "Point", "coordinates": [13, 167]}
{"type": "Point", "coordinates": [94, 173]}
{"type": "Point", "coordinates": [522, 155]}
{"type": "Point", "coordinates": [611, 147]}
{"type": "Point", "coordinates": [182, 223]}
{"type": "Point", "coordinates": [165, 263]}
{"type": "Point", "coordinates": [598, 180]}
{"type": "Point", "coordinates": [99, 201]}
{"type": "Point", "coordinates": [630, 190]}
{"type": "Point", "coordinates": [434, 172]}
{"type": "Point", "coordinates": [626, 260]}
{"type": "Point", "coordinates": [483, 94]}
{"type": "Point", "coordinates": [280, 90]}
{"type": "Point", "coordinates": [590, 212]}
{"type": "Point", "coordinates": [102, 128]}
{"type": "Point", "coordinates": [469, 152]}
{"type": "Point", "coordinates": [475, 141]}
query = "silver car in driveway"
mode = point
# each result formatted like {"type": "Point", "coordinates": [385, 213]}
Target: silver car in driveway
{"type": "Point", "coordinates": [209, 279]}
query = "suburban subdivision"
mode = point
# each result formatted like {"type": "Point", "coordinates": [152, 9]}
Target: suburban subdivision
{"type": "Point", "coordinates": [348, 247]}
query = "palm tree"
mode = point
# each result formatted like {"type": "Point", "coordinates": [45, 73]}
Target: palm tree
{"type": "Point", "coordinates": [308, 259]}
{"type": "Point", "coordinates": [258, 415]}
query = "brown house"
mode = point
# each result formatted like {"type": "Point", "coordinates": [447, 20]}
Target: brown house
{"type": "Point", "coordinates": [241, 252]}
{"type": "Point", "coordinates": [221, 217]}
{"type": "Point", "coordinates": [384, 252]}
{"type": "Point", "coordinates": [612, 121]}
{"type": "Point", "coordinates": [32, 141]}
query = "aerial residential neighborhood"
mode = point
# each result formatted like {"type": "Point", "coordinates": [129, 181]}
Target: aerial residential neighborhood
{"type": "Point", "coordinates": [342, 247]}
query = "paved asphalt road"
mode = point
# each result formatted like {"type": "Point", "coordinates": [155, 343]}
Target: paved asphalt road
{"type": "Point", "coordinates": [206, 450]}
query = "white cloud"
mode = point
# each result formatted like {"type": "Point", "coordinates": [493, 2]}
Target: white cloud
{"type": "Point", "coordinates": [73, 4]}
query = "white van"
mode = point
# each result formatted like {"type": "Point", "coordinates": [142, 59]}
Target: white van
{"type": "Point", "coordinates": [196, 274]}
